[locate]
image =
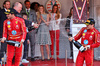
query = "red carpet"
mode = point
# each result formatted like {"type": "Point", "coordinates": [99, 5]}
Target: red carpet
{"type": "Point", "coordinates": [60, 62]}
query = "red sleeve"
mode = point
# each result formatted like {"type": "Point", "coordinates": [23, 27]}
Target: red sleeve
{"type": "Point", "coordinates": [79, 34]}
{"type": "Point", "coordinates": [97, 41]}
{"type": "Point", "coordinates": [23, 28]}
{"type": "Point", "coordinates": [5, 29]}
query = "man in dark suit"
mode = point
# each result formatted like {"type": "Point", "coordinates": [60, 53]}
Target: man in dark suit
{"type": "Point", "coordinates": [31, 17]}
{"type": "Point", "coordinates": [6, 6]}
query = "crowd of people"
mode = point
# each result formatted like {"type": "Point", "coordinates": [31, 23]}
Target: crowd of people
{"type": "Point", "coordinates": [14, 24]}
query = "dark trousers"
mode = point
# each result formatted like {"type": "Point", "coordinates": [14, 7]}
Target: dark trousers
{"type": "Point", "coordinates": [3, 50]}
{"type": "Point", "coordinates": [25, 47]}
{"type": "Point", "coordinates": [71, 47]}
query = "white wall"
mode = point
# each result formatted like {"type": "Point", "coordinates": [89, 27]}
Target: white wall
{"type": "Point", "coordinates": [1, 3]}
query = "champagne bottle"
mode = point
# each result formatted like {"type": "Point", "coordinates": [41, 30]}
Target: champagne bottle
{"type": "Point", "coordinates": [78, 45]}
{"type": "Point", "coordinates": [31, 28]}
{"type": "Point", "coordinates": [13, 43]}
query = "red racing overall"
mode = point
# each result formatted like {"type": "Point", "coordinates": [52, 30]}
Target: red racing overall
{"type": "Point", "coordinates": [88, 37]}
{"type": "Point", "coordinates": [14, 29]}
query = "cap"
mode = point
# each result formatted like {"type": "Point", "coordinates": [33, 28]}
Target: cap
{"type": "Point", "coordinates": [90, 21]}
{"type": "Point", "coordinates": [10, 11]}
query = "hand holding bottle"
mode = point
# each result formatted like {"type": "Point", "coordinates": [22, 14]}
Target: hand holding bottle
{"type": "Point", "coordinates": [2, 40]}
{"type": "Point", "coordinates": [70, 38]}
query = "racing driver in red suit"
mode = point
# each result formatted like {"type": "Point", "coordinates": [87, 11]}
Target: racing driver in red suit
{"type": "Point", "coordinates": [14, 29]}
{"type": "Point", "coordinates": [90, 39]}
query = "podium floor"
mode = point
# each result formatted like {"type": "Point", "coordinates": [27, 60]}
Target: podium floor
{"type": "Point", "coordinates": [60, 62]}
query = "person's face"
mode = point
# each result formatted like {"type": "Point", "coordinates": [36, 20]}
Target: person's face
{"type": "Point", "coordinates": [18, 8]}
{"type": "Point", "coordinates": [27, 5]}
{"type": "Point", "coordinates": [90, 26]}
{"type": "Point", "coordinates": [55, 9]}
{"type": "Point", "coordinates": [36, 7]}
{"type": "Point", "coordinates": [41, 9]}
{"type": "Point", "coordinates": [9, 16]}
{"type": "Point", "coordinates": [72, 11]}
{"type": "Point", "coordinates": [7, 5]}
{"type": "Point", "coordinates": [25, 17]}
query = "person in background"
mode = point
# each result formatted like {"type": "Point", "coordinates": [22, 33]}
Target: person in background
{"type": "Point", "coordinates": [14, 29]}
{"type": "Point", "coordinates": [24, 15]}
{"type": "Point", "coordinates": [90, 39]}
{"type": "Point", "coordinates": [26, 42]}
{"type": "Point", "coordinates": [18, 7]}
{"type": "Point", "coordinates": [6, 6]}
{"type": "Point", "coordinates": [31, 17]}
{"type": "Point", "coordinates": [43, 35]}
{"type": "Point", "coordinates": [68, 28]}
{"type": "Point", "coordinates": [54, 29]}
{"type": "Point", "coordinates": [35, 6]}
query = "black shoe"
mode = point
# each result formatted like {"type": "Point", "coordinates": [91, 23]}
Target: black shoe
{"type": "Point", "coordinates": [42, 59]}
{"type": "Point", "coordinates": [37, 57]}
{"type": "Point", "coordinates": [48, 59]}
{"type": "Point", "coordinates": [32, 59]}
{"type": "Point", "coordinates": [21, 65]}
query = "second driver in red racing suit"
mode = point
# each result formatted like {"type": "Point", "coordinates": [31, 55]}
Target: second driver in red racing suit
{"type": "Point", "coordinates": [90, 40]}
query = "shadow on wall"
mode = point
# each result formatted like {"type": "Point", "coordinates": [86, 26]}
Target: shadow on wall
{"type": "Point", "coordinates": [97, 25]}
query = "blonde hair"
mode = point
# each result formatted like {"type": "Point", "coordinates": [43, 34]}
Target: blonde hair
{"type": "Point", "coordinates": [39, 13]}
